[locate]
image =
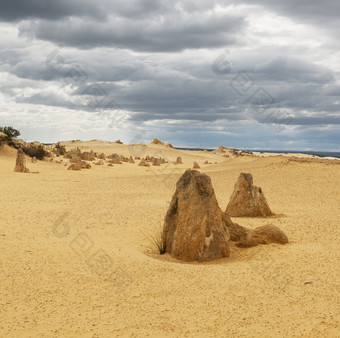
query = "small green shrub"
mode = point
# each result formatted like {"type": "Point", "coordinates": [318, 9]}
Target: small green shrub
{"type": "Point", "coordinates": [158, 241]}
{"type": "Point", "coordinates": [35, 151]}
{"type": "Point", "coordinates": [10, 132]}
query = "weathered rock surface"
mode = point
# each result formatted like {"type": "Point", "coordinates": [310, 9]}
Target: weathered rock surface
{"type": "Point", "coordinates": [194, 229]}
{"type": "Point", "coordinates": [156, 162]}
{"type": "Point", "coordinates": [269, 234]}
{"type": "Point", "coordinates": [178, 160]}
{"type": "Point", "coordinates": [101, 156]}
{"type": "Point", "coordinates": [156, 141]}
{"type": "Point", "coordinates": [115, 160]}
{"type": "Point", "coordinates": [88, 156]}
{"type": "Point", "coordinates": [143, 163]}
{"type": "Point", "coordinates": [245, 238]}
{"type": "Point", "coordinates": [247, 200]}
{"type": "Point", "coordinates": [20, 163]}
{"type": "Point", "coordinates": [85, 165]}
{"type": "Point", "coordinates": [77, 165]}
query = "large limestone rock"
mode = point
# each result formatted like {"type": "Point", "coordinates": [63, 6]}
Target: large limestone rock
{"type": "Point", "coordinates": [194, 229]}
{"type": "Point", "coordinates": [247, 200]}
{"type": "Point", "coordinates": [20, 164]}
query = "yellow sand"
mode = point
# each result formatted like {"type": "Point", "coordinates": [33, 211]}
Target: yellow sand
{"type": "Point", "coordinates": [52, 286]}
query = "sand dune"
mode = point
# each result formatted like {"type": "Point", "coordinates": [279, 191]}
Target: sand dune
{"type": "Point", "coordinates": [77, 260]}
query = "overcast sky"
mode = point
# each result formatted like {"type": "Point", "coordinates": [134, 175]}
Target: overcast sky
{"type": "Point", "coordinates": [245, 74]}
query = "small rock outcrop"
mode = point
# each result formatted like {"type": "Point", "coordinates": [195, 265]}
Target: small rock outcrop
{"type": "Point", "coordinates": [194, 229]}
{"type": "Point", "coordinates": [20, 164]}
{"type": "Point", "coordinates": [131, 160]}
{"type": "Point", "coordinates": [196, 166]}
{"type": "Point", "coordinates": [77, 165]}
{"type": "Point", "coordinates": [157, 141]}
{"type": "Point", "coordinates": [118, 141]}
{"type": "Point", "coordinates": [178, 161]}
{"type": "Point", "coordinates": [85, 165]}
{"type": "Point", "coordinates": [156, 162]}
{"type": "Point", "coordinates": [101, 156]}
{"type": "Point", "coordinates": [221, 149]}
{"type": "Point", "coordinates": [246, 238]}
{"type": "Point", "coordinates": [88, 156]}
{"type": "Point", "coordinates": [143, 163]}
{"type": "Point", "coordinates": [267, 234]}
{"type": "Point", "coordinates": [247, 200]}
{"type": "Point", "coordinates": [34, 159]}
{"type": "Point", "coordinates": [115, 160]}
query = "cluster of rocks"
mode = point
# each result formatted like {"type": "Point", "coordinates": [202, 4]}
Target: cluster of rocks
{"type": "Point", "coordinates": [196, 229]}
{"type": "Point", "coordinates": [151, 160]}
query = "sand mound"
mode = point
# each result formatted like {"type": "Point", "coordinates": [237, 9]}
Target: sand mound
{"type": "Point", "coordinates": [247, 200]}
{"type": "Point", "coordinates": [3, 138]}
{"type": "Point", "coordinates": [194, 228]}
{"type": "Point", "coordinates": [7, 151]}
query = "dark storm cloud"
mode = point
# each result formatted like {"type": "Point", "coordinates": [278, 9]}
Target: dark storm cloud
{"type": "Point", "coordinates": [153, 58]}
{"type": "Point", "coordinates": [16, 10]}
{"type": "Point", "coordinates": [159, 35]}
{"type": "Point", "coordinates": [314, 11]}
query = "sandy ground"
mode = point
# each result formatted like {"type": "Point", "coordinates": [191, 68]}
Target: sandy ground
{"type": "Point", "coordinates": [77, 260]}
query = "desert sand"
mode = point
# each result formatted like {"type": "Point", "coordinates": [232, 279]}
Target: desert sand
{"type": "Point", "coordinates": [77, 258]}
